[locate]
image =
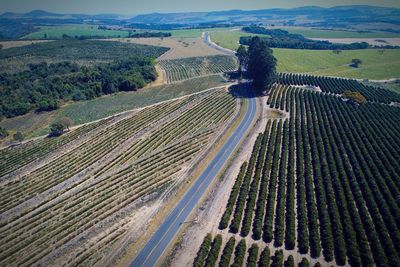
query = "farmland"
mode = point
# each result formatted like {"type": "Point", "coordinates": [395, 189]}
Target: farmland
{"type": "Point", "coordinates": [112, 165]}
{"type": "Point", "coordinates": [319, 186]}
{"type": "Point", "coordinates": [57, 32]}
{"type": "Point", "coordinates": [178, 47]}
{"type": "Point", "coordinates": [36, 124]}
{"type": "Point", "coordinates": [377, 65]}
{"type": "Point", "coordinates": [86, 52]}
{"type": "Point", "coordinates": [186, 68]}
{"type": "Point", "coordinates": [337, 33]}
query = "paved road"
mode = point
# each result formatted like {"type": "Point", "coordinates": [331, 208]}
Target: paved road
{"type": "Point", "coordinates": [155, 247]}
{"type": "Point", "coordinates": [207, 41]}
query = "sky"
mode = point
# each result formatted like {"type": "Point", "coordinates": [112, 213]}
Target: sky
{"type": "Point", "coordinates": [130, 7]}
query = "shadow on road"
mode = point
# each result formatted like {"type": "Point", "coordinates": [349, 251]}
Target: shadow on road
{"type": "Point", "coordinates": [243, 90]}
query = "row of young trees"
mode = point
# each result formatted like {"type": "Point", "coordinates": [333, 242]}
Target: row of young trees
{"type": "Point", "coordinates": [338, 166]}
{"type": "Point", "coordinates": [235, 252]}
{"type": "Point", "coordinates": [339, 86]}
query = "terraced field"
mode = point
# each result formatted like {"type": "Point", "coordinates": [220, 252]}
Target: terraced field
{"type": "Point", "coordinates": [183, 69]}
{"type": "Point", "coordinates": [58, 192]}
{"type": "Point", "coordinates": [319, 187]}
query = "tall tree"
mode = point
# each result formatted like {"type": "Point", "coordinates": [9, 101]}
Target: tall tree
{"type": "Point", "coordinates": [261, 65]}
{"type": "Point", "coordinates": [242, 55]}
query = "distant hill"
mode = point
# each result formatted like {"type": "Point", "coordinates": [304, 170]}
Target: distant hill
{"type": "Point", "coordinates": [340, 16]}
{"type": "Point", "coordinates": [312, 16]}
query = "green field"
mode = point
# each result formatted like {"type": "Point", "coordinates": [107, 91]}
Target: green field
{"type": "Point", "coordinates": [319, 33]}
{"type": "Point", "coordinates": [230, 39]}
{"type": "Point", "coordinates": [192, 33]}
{"type": "Point", "coordinates": [324, 62]}
{"type": "Point", "coordinates": [34, 124]}
{"type": "Point", "coordinates": [56, 32]}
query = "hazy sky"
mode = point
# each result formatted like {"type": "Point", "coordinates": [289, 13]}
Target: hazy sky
{"type": "Point", "coordinates": [145, 6]}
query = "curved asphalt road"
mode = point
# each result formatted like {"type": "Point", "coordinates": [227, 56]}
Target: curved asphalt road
{"type": "Point", "coordinates": [155, 247]}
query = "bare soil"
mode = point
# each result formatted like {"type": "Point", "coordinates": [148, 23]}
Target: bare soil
{"type": "Point", "coordinates": [179, 47]}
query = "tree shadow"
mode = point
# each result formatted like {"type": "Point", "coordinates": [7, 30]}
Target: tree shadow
{"type": "Point", "coordinates": [243, 90]}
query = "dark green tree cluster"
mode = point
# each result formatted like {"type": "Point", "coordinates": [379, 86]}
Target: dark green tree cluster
{"type": "Point", "coordinates": [149, 35]}
{"type": "Point", "coordinates": [283, 39]}
{"type": "Point", "coordinates": [44, 86]}
{"type": "Point", "coordinates": [261, 65]}
{"type": "Point", "coordinates": [339, 86]}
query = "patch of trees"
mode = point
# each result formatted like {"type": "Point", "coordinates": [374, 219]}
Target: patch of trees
{"type": "Point", "coordinates": [57, 128]}
{"type": "Point", "coordinates": [44, 86]}
{"type": "Point", "coordinates": [283, 39]}
{"type": "Point", "coordinates": [150, 34]}
{"type": "Point", "coordinates": [88, 52]}
{"type": "Point", "coordinates": [355, 62]}
{"type": "Point", "coordinates": [260, 64]}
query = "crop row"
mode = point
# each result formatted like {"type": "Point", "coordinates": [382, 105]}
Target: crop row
{"type": "Point", "coordinates": [186, 68]}
{"type": "Point", "coordinates": [339, 85]}
{"type": "Point", "coordinates": [98, 145]}
{"type": "Point", "coordinates": [332, 170]}
{"type": "Point", "coordinates": [13, 158]}
{"type": "Point", "coordinates": [213, 252]}
{"type": "Point", "coordinates": [30, 237]}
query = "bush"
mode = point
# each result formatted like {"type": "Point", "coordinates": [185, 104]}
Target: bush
{"type": "Point", "coordinates": [277, 259]}
{"type": "Point", "coordinates": [253, 254]}
{"type": "Point", "coordinates": [240, 251]}
{"type": "Point", "coordinates": [227, 253]}
{"type": "Point", "coordinates": [304, 263]}
{"type": "Point", "coordinates": [264, 258]}
{"type": "Point", "coordinates": [57, 128]}
{"type": "Point", "coordinates": [289, 262]}
{"type": "Point", "coordinates": [214, 251]}
{"type": "Point", "coordinates": [203, 251]}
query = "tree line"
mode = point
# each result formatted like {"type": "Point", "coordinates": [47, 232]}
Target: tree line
{"type": "Point", "coordinates": [283, 39]}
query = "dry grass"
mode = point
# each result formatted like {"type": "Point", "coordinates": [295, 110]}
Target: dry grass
{"type": "Point", "coordinates": [179, 47]}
